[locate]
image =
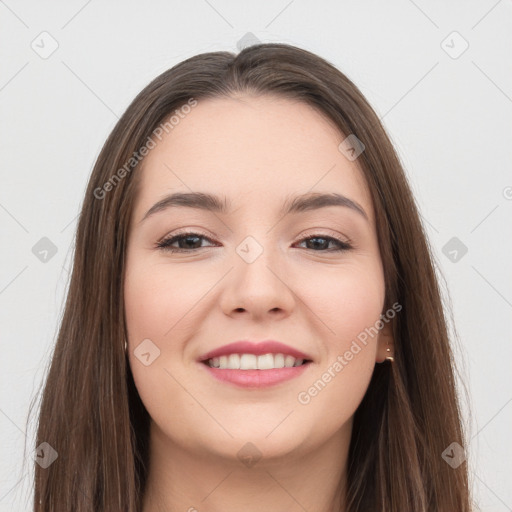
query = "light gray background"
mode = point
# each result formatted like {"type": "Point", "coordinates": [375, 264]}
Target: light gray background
{"type": "Point", "coordinates": [450, 119]}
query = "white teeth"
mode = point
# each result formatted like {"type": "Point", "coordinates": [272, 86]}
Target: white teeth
{"type": "Point", "coordinates": [265, 362]}
{"type": "Point", "coordinates": [253, 362]}
{"type": "Point", "coordinates": [288, 361]}
{"type": "Point", "coordinates": [234, 361]}
{"type": "Point", "coordinates": [247, 362]}
{"type": "Point", "coordinates": [278, 361]}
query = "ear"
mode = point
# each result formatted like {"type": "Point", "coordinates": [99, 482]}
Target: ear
{"type": "Point", "coordinates": [385, 343]}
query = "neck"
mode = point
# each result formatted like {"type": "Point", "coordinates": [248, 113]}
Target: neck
{"type": "Point", "coordinates": [181, 480]}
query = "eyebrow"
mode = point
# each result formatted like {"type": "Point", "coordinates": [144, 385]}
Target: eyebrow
{"type": "Point", "coordinates": [295, 204]}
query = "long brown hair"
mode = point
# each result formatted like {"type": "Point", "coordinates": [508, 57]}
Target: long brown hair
{"type": "Point", "coordinates": [91, 413]}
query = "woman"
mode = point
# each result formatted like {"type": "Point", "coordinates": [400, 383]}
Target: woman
{"type": "Point", "coordinates": [253, 320]}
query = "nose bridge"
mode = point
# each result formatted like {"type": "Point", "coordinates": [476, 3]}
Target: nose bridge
{"type": "Point", "coordinates": [256, 258]}
{"type": "Point", "coordinates": [257, 283]}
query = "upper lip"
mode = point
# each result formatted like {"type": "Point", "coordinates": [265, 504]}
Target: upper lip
{"type": "Point", "coordinates": [259, 348]}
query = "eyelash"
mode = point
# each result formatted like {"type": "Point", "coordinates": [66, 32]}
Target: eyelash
{"type": "Point", "coordinates": [164, 245]}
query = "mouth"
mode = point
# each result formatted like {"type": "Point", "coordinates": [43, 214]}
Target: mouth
{"type": "Point", "coordinates": [255, 365]}
{"type": "Point", "coordinates": [255, 371]}
{"type": "Point", "coordinates": [261, 362]}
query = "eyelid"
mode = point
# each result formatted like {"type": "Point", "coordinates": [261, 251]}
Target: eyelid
{"type": "Point", "coordinates": [310, 233]}
{"type": "Point", "coordinates": [185, 231]}
{"type": "Point", "coordinates": [343, 242]}
{"type": "Point", "coordinates": [164, 244]}
{"type": "Point", "coordinates": [326, 232]}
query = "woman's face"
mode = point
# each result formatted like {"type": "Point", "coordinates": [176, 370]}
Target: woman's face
{"type": "Point", "coordinates": [252, 272]}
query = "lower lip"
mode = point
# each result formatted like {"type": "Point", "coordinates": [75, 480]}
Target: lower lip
{"type": "Point", "coordinates": [256, 378]}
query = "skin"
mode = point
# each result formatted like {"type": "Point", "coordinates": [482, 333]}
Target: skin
{"type": "Point", "coordinates": [257, 151]}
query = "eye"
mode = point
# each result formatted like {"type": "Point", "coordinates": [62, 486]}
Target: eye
{"type": "Point", "coordinates": [322, 242]}
{"type": "Point", "coordinates": [191, 241]}
{"type": "Point", "coordinates": [187, 242]}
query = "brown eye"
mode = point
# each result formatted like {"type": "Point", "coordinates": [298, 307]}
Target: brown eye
{"type": "Point", "coordinates": [191, 241]}
{"type": "Point", "coordinates": [186, 242]}
{"type": "Point", "coordinates": [319, 243]}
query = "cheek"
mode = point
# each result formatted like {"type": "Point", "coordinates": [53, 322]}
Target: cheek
{"type": "Point", "coordinates": [159, 306]}
{"type": "Point", "coordinates": [360, 304]}
{"type": "Point", "coordinates": [347, 300]}
{"type": "Point", "coordinates": [155, 309]}
{"type": "Point", "coordinates": [350, 306]}
{"type": "Point", "coordinates": [157, 297]}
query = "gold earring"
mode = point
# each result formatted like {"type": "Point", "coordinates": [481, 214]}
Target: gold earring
{"type": "Point", "coordinates": [389, 357]}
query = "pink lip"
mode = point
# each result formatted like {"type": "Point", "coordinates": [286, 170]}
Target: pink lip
{"type": "Point", "coordinates": [256, 378]}
{"type": "Point", "coordinates": [247, 347]}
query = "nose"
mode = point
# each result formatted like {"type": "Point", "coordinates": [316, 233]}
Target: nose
{"type": "Point", "coordinates": [261, 288]}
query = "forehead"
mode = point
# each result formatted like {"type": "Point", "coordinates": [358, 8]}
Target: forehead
{"type": "Point", "coordinates": [252, 150]}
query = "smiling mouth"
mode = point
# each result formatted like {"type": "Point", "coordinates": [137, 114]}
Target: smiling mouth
{"type": "Point", "coordinates": [254, 362]}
